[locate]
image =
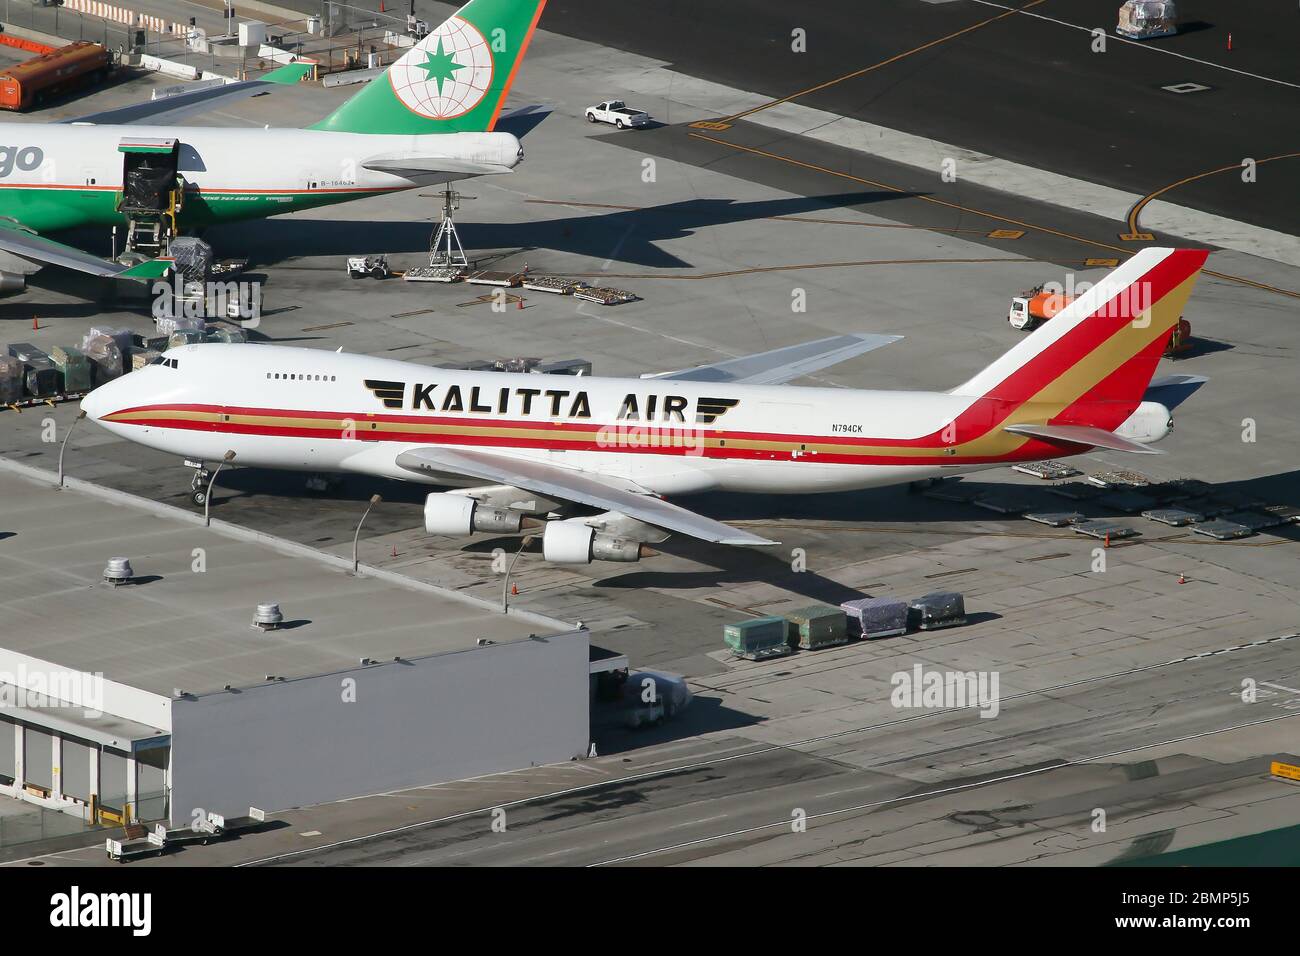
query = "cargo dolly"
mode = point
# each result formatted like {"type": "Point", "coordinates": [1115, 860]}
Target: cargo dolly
{"type": "Point", "coordinates": [219, 827]}
{"type": "Point", "coordinates": [137, 844]}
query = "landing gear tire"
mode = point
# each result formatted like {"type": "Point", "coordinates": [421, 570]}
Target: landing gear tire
{"type": "Point", "coordinates": [199, 486]}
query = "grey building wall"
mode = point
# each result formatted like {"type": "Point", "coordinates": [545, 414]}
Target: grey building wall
{"type": "Point", "coordinates": [435, 719]}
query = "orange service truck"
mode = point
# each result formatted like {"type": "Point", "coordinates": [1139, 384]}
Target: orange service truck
{"type": "Point", "coordinates": [34, 81]}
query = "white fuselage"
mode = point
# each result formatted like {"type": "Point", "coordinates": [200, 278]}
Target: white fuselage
{"type": "Point", "coordinates": [296, 408]}
{"type": "Point", "coordinates": [51, 174]}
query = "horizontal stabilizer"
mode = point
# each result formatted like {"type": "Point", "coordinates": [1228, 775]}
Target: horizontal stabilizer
{"type": "Point", "coordinates": [584, 488]}
{"type": "Point", "coordinates": [427, 167]}
{"type": "Point", "coordinates": [784, 364]}
{"type": "Point", "coordinates": [1083, 435]}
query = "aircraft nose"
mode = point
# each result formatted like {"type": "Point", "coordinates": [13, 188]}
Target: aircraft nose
{"type": "Point", "coordinates": [100, 401]}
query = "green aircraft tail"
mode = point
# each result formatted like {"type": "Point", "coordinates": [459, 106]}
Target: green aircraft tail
{"type": "Point", "coordinates": [455, 80]}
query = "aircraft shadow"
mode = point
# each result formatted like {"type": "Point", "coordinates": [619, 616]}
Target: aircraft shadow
{"type": "Point", "coordinates": [625, 235]}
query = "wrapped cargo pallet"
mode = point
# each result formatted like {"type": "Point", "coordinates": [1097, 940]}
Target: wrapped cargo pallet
{"type": "Point", "coordinates": [11, 380]}
{"type": "Point", "coordinates": [870, 618]}
{"type": "Point", "coordinates": [184, 337]}
{"type": "Point", "coordinates": [758, 638]}
{"type": "Point", "coordinates": [41, 379]}
{"type": "Point", "coordinates": [817, 626]}
{"type": "Point", "coordinates": [227, 335]}
{"type": "Point", "coordinates": [108, 359]}
{"type": "Point", "coordinates": [120, 337]}
{"type": "Point", "coordinates": [937, 609]}
{"type": "Point", "coordinates": [168, 325]}
{"type": "Point", "coordinates": [142, 357]}
{"type": "Point", "coordinates": [77, 369]}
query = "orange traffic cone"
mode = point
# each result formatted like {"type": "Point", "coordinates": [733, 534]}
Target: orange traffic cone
{"type": "Point", "coordinates": [394, 551]}
{"type": "Point", "coordinates": [514, 589]}
{"type": "Point", "coordinates": [1229, 42]}
{"type": "Point", "coordinates": [1106, 544]}
{"type": "Point", "coordinates": [35, 324]}
{"type": "Point", "coordinates": [1182, 578]}
{"type": "Point", "coordinates": [519, 303]}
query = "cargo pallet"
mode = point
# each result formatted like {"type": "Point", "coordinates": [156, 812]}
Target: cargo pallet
{"type": "Point", "coordinates": [602, 296]}
{"type": "Point", "coordinates": [556, 285]}
{"type": "Point", "coordinates": [504, 280]}
{"type": "Point", "coordinates": [434, 274]}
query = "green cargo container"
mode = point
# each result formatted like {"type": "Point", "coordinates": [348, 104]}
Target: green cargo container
{"type": "Point", "coordinates": [76, 366]}
{"type": "Point", "coordinates": [757, 638]}
{"type": "Point", "coordinates": [818, 626]}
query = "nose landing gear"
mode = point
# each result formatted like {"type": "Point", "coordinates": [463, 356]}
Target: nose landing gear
{"type": "Point", "coordinates": [199, 484]}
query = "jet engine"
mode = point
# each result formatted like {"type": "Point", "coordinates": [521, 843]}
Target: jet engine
{"type": "Point", "coordinates": [11, 283]}
{"type": "Point", "coordinates": [1149, 423]}
{"type": "Point", "coordinates": [455, 514]}
{"type": "Point", "coordinates": [573, 542]}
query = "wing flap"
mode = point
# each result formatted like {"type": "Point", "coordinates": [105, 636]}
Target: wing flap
{"type": "Point", "coordinates": [1083, 435]}
{"type": "Point", "coordinates": [596, 491]}
{"type": "Point", "coordinates": [778, 366]}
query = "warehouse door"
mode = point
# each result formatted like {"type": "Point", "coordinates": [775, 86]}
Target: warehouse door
{"type": "Point", "coordinates": [7, 754]}
{"type": "Point", "coordinates": [38, 760]}
{"type": "Point", "coordinates": [112, 781]}
{"type": "Point", "coordinates": [151, 783]}
{"type": "Point", "coordinates": [74, 770]}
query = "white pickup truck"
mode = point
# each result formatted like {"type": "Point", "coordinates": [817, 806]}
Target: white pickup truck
{"type": "Point", "coordinates": [618, 113]}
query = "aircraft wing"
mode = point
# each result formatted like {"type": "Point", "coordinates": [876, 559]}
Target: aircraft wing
{"type": "Point", "coordinates": [1083, 435]}
{"type": "Point", "coordinates": [28, 245]}
{"type": "Point", "coordinates": [597, 491]}
{"type": "Point", "coordinates": [784, 364]}
{"type": "Point", "coordinates": [168, 109]}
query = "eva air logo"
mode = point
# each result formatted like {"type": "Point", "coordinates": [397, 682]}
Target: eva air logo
{"type": "Point", "coordinates": [447, 75]}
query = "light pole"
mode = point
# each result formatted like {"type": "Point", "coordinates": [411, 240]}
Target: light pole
{"type": "Point", "coordinates": [207, 501]}
{"type": "Point", "coordinates": [505, 588]}
{"type": "Point", "coordinates": [64, 446]}
{"type": "Point", "coordinates": [356, 538]}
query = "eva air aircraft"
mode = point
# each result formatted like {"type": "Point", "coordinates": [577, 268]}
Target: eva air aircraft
{"type": "Point", "coordinates": [435, 115]}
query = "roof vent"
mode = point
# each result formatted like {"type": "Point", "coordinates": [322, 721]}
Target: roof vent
{"type": "Point", "coordinates": [118, 571]}
{"type": "Point", "coordinates": [268, 617]}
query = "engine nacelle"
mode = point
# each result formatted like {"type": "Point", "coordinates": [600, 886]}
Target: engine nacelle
{"type": "Point", "coordinates": [572, 542]}
{"type": "Point", "coordinates": [451, 514]}
{"type": "Point", "coordinates": [11, 283]}
{"type": "Point", "coordinates": [1149, 423]}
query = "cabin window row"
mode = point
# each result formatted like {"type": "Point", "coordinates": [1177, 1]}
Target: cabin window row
{"type": "Point", "coordinates": [299, 377]}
